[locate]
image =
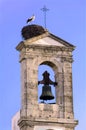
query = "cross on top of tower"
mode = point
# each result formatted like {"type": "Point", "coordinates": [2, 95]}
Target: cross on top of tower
{"type": "Point", "coordinates": [45, 9]}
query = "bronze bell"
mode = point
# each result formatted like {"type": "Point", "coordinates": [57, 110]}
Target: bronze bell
{"type": "Point", "coordinates": [46, 93]}
{"type": "Point", "coordinates": [46, 89]}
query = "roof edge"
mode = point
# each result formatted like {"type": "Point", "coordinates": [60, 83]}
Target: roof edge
{"type": "Point", "coordinates": [64, 42]}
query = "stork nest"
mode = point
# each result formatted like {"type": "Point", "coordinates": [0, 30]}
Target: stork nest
{"type": "Point", "coordinates": [32, 31]}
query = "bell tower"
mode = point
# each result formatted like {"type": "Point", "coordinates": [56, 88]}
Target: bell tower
{"type": "Point", "coordinates": [40, 47]}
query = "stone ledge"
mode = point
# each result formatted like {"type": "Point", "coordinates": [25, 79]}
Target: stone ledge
{"type": "Point", "coordinates": [50, 48]}
{"type": "Point", "coordinates": [32, 122]}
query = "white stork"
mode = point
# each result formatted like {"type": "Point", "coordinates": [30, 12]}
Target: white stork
{"type": "Point", "coordinates": [31, 19]}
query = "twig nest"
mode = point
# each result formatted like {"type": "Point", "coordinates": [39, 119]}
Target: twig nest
{"type": "Point", "coordinates": [32, 31]}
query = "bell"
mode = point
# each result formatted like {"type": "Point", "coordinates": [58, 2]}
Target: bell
{"type": "Point", "coordinates": [46, 93]}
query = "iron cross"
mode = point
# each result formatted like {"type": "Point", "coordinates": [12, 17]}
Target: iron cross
{"type": "Point", "coordinates": [44, 9]}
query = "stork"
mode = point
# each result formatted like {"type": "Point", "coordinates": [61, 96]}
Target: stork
{"type": "Point", "coordinates": [32, 18]}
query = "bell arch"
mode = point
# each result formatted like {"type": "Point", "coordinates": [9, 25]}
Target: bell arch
{"type": "Point", "coordinates": [52, 62]}
{"type": "Point", "coordinates": [48, 70]}
{"type": "Point", "coordinates": [57, 69]}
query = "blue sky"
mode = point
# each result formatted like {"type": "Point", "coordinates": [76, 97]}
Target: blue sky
{"type": "Point", "coordinates": [66, 19]}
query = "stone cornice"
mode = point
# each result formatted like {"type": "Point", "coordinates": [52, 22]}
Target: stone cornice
{"type": "Point", "coordinates": [57, 121]}
{"type": "Point", "coordinates": [22, 45]}
{"type": "Point", "coordinates": [51, 47]}
{"type": "Point", "coordinates": [46, 50]}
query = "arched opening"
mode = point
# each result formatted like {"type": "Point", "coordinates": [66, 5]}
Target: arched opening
{"type": "Point", "coordinates": [50, 68]}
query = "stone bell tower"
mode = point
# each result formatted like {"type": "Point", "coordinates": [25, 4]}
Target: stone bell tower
{"type": "Point", "coordinates": [40, 47]}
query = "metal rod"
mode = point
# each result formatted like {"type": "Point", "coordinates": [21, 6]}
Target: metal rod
{"type": "Point", "coordinates": [44, 9]}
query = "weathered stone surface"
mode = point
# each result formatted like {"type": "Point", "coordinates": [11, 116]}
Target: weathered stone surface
{"type": "Point", "coordinates": [49, 50]}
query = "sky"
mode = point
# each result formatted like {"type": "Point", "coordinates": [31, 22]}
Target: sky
{"type": "Point", "coordinates": [65, 19]}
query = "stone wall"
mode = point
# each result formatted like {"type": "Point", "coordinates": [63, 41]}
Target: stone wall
{"type": "Point", "coordinates": [32, 112]}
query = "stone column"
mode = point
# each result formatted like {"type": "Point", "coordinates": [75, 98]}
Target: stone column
{"type": "Point", "coordinates": [68, 96]}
